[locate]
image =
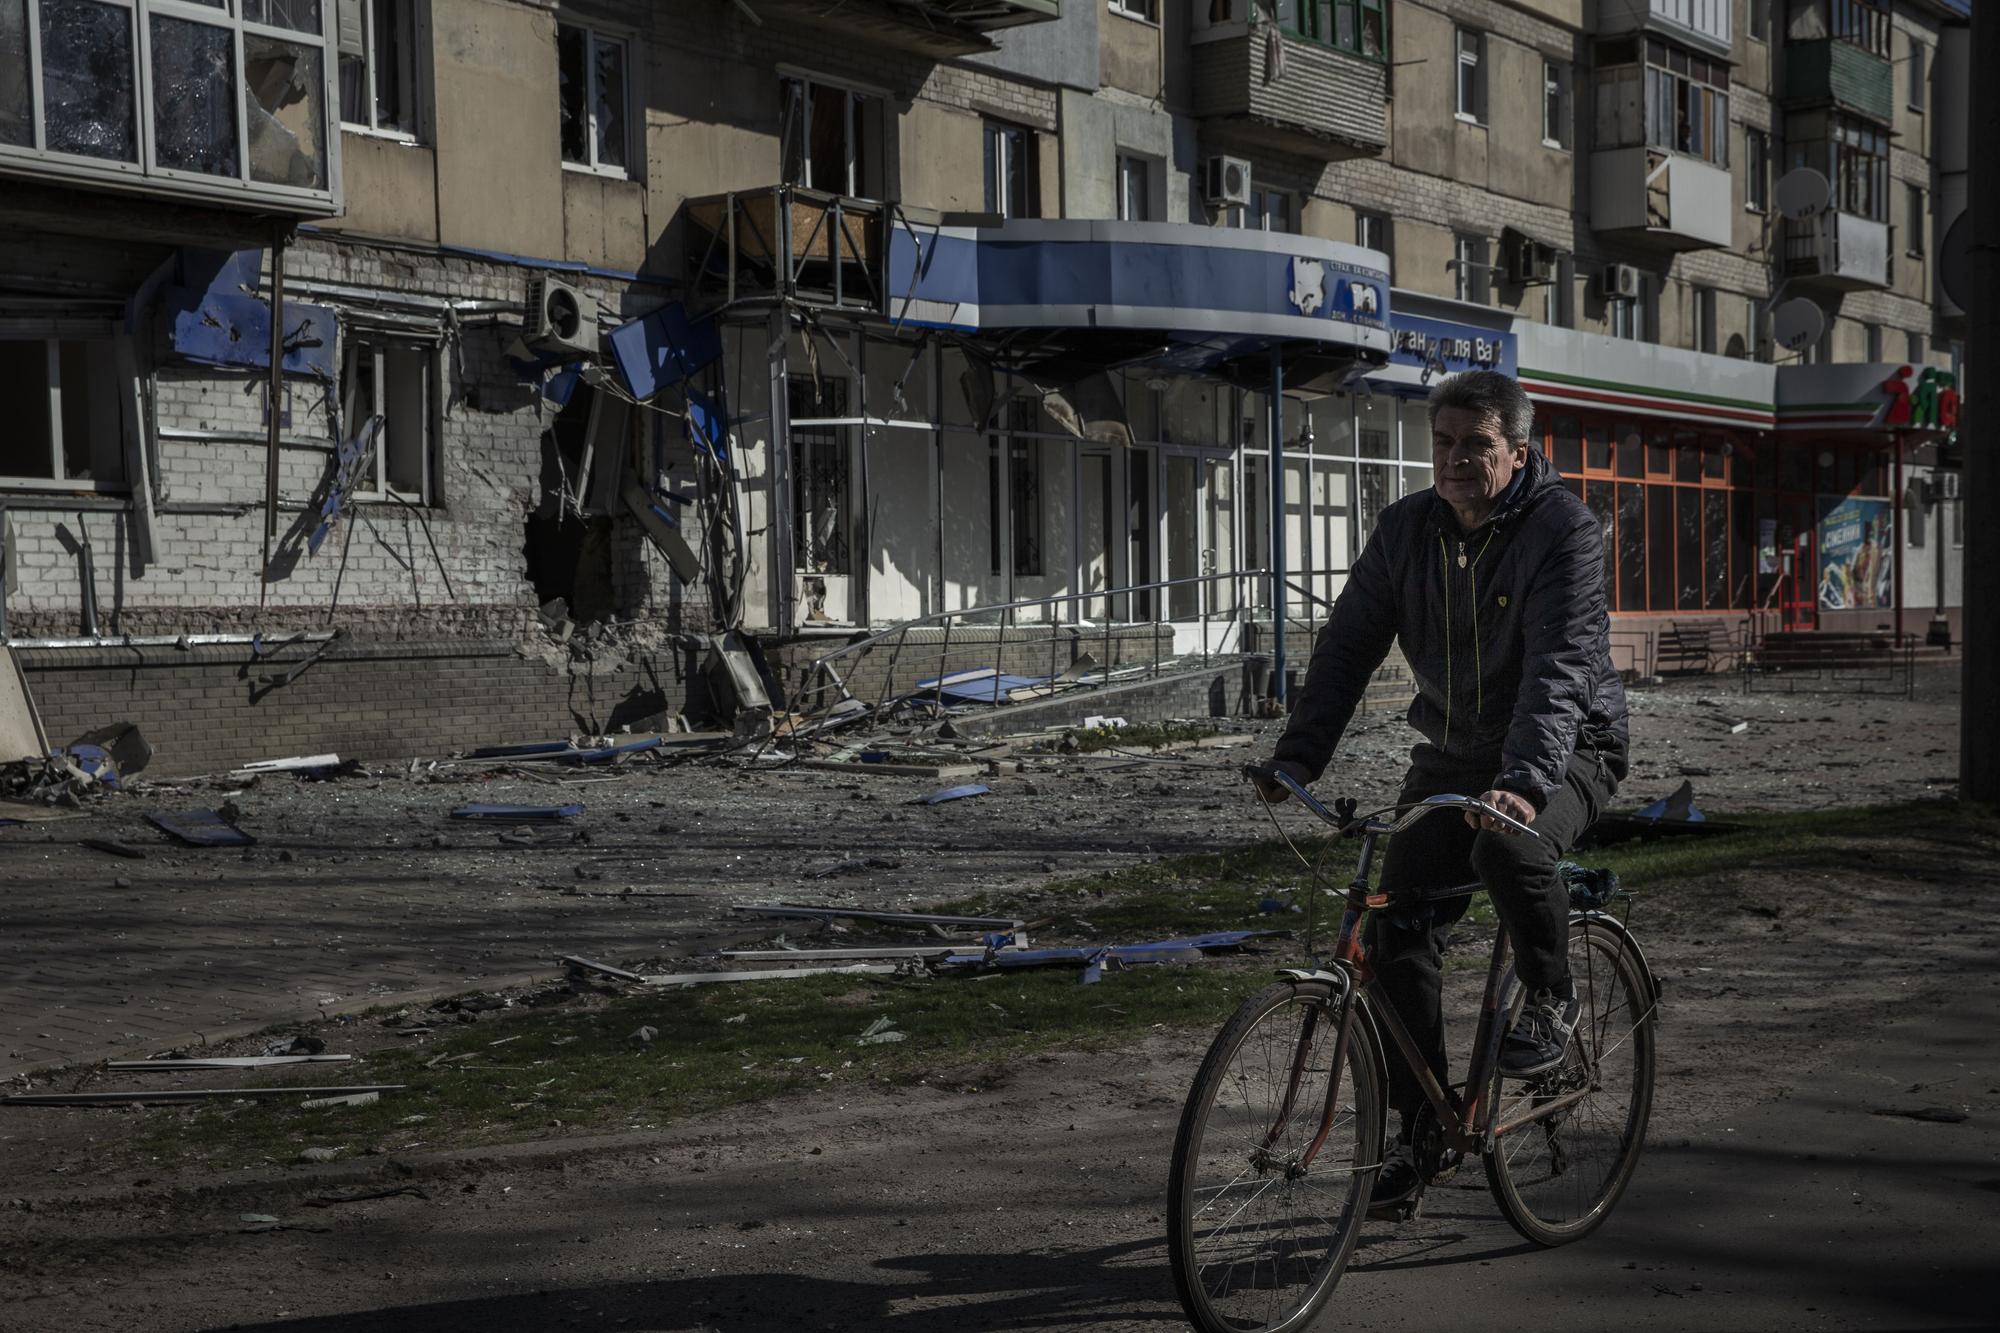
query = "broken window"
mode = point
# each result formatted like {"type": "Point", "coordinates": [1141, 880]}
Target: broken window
{"type": "Point", "coordinates": [17, 93]}
{"type": "Point", "coordinates": [594, 100]}
{"type": "Point", "coordinates": [66, 406]}
{"type": "Point", "coordinates": [87, 79]}
{"type": "Point", "coordinates": [1024, 489]}
{"type": "Point", "coordinates": [395, 380]}
{"type": "Point", "coordinates": [822, 508]}
{"type": "Point", "coordinates": [830, 139]}
{"type": "Point", "coordinates": [194, 100]}
{"type": "Point", "coordinates": [226, 93]}
{"type": "Point", "coordinates": [378, 65]}
{"type": "Point", "coordinates": [284, 105]}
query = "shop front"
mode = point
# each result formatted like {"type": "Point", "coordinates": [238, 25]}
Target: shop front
{"type": "Point", "coordinates": [1046, 417]}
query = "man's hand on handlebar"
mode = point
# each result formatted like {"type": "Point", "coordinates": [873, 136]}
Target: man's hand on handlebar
{"type": "Point", "coordinates": [1511, 804]}
{"type": "Point", "coordinates": [1272, 793]}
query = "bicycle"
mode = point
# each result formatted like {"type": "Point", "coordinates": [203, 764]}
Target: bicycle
{"type": "Point", "coordinates": [1273, 1168]}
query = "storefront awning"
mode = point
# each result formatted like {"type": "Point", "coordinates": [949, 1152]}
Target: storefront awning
{"type": "Point", "coordinates": [1175, 294]}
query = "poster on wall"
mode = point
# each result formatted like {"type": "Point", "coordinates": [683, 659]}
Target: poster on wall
{"type": "Point", "coordinates": [1856, 556]}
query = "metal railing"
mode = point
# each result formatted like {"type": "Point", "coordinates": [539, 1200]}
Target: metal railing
{"type": "Point", "coordinates": [802, 243]}
{"type": "Point", "coordinates": [823, 677]}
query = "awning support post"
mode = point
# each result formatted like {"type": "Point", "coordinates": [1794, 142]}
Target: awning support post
{"type": "Point", "coordinates": [1275, 415]}
{"type": "Point", "coordinates": [274, 402]}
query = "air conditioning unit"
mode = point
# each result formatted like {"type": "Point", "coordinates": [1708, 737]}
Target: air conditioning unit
{"type": "Point", "coordinates": [1618, 282]}
{"type": "Point", "coordinates": [1526, 260]}
{"type": "Point", "coordinates": [558, 319]}
{"type": "Point", "coordinates": [1226, 182]}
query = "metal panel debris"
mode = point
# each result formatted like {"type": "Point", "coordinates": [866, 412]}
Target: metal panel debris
{"type": "Point", "coordinates": [200, 828]}
{"type": "Point", "coordinates": [479, 810]}
{"type": "Point", "coordinates": [662, 349]}
{"type": "Point", "coordinates": [183, 1095]}
{"type": "Point", "coordinates": [888, 918]}
{"type": "Point", "coordinates": [953, 794]}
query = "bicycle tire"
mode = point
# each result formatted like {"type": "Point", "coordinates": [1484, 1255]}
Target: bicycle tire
{"type": "Point", "coordinates": [1558, 1178]}
{"type": "Point", "coordinates": [1273, 1272]}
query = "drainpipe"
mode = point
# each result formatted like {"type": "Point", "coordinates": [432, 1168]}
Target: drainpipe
{"type": "Point", "coordinates": [274, 407]}
{"type": "Point", "coordinates": [1275, 415]}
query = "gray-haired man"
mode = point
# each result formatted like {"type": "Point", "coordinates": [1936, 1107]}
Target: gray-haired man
{"type": "Point", "coordinates": [1492, 581]}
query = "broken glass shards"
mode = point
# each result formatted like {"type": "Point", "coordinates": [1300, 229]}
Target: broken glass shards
{"type": "Point", "coordinates": [17, 96]}
{"type": "Point", "coordinates": [284, 106]}
{"type": "Point", "coordinates": [194, 105]}
{"type": "Point", "coordinates": [87, 79]}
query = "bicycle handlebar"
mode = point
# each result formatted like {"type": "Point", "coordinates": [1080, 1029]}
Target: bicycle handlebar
{"type": "Point", "coordinates": [1408, 812]}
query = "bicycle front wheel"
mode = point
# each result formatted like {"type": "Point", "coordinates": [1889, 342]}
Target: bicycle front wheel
{"type": "Point", "coordinates": [1568, 1141]}
{"type": "Point", "coordinates": [1274, 1161]}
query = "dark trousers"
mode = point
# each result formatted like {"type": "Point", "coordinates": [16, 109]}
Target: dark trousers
{"type": "Point", "coordinates": [1406, 944]}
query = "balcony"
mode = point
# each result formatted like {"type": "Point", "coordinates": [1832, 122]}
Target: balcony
{"type": "Point", "coordinates": [1703, 26]}
{"type": "Point", "coordinates": [1324, 102]}
{"type": "Point", "coordinates": [935, 28]}
{"type": "Point", "coordinates": [785, 241]}
{"type": "Point", "coordinates": [210, 105]}
{"type": "Point", "coordinates": [1669, 199]}
{"type": "Point", "coordinates": [1837, 73]}
{"type": "Point", "coordinates": [1837, 252]}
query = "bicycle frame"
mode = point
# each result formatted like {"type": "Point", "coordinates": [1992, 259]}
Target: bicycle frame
{"type": "Point", "coordinates": [1466, 1124]}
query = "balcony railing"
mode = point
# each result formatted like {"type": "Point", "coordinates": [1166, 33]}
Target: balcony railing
{"type": "Point", "coordinates": [788, 241]}
{"type": "Point", "coordinates": [1323, 101]}
{"type": "Point", "coordinates": [1676, 201]}
{"type": "Point", "coordinates": [1839, 73]}
{"type": "Point", "coordinates": [1838, 251]}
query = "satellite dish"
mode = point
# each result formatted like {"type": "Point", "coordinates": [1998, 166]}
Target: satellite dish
{"type": "Point", "coordinates": [1798, 324]}
{"type": "Point", "coordinates": [1803, 193]}
{"type": "Point", "coordinates": [1955, 261]}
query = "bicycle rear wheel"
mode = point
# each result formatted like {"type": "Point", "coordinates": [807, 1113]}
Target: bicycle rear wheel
{"type": "Point", "coordinates": [1261, 1225]}
{"type": "Point", "coordinates": [1557, 1177]}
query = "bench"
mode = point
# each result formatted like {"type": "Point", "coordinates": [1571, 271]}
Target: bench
{"type": "Point", "coordinates": [1692, 647]}
{"type": "Point", "coordinates": [1860, 662]}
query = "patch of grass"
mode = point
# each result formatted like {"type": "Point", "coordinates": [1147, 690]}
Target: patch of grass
{"type": "Point", "coordinates": [1139, 736]}
{"type": "Point", "coordinates": [566, 1069]}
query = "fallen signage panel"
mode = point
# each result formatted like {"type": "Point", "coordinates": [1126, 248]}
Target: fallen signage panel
{"type": "Point", "coordinates": [227, 1062]}
{"type": "Point", "coordinates": [953, 794]}
{"type": "Point", "coordinates": [768, 974]}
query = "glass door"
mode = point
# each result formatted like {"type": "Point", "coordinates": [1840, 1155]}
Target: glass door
{"type": "Point", "coordinates": [1096, 521]}
{"type": "Point", "coordinates": [1183, 545]}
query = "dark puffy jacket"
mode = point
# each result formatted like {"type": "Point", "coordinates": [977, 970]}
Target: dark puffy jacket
{"type": "Point", "coordinates": [1505, 629]}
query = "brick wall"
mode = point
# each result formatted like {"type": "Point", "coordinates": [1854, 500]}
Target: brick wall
{"type": "Point", "coordinates": [208, 708]}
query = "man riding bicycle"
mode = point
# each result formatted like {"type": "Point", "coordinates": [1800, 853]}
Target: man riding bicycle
{"type": "Point", "coordinates": [1492, 581]}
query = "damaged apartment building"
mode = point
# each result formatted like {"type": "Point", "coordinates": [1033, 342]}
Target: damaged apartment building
{"type": "Point", "coordinates": [605, 328]}
{"type": "Point", "coordinates": [652, 321]}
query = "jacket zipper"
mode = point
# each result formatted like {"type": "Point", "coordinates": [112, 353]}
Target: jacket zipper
{"type": "Point", "coordinates": [1469, 562]}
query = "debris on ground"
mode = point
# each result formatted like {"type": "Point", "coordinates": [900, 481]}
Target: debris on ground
{"type": "Point", "coordinates": [182, 1095]}
{"type": "Point", "coordinates": [201, 828]}
{"type": "Point", "coordinates": [1095, 958]}
{"type": "Point", "coordinates": [479, 810]}
{"type": "Point", "coordinates": [856, 865]}
{"type": "Point", "coordinates": [880, 1032]}
{"type": "Point", "coordinates": [942, 795]}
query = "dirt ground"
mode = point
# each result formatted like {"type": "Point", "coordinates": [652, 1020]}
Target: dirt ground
{"type": "Point", "coordinates": [1785, 1187]}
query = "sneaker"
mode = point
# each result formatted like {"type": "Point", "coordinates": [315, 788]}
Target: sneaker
{"type": "Point", "coordinates": [1397, 1185]}
{"type": "Point", "coordinates": [1540, 1036]}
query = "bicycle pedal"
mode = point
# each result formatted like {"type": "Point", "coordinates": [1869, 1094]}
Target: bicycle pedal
{"type": "Point", "coordinates": [1400, 1210]}
{"type": "Point", "coordinates": [1447, 1167]}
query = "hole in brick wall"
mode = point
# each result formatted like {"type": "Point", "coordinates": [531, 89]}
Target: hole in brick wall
{"type": "Point", "coordinates": [570, 558]}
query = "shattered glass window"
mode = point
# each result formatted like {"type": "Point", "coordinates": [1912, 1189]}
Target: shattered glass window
{"type": "Point", "coordinates": [17, 103]}
{"type": "Point", "coordinates": [284, 106]}
{"type": "Point", "coordinates": [194, 103]}
{"type": "Point", "coordinates": [573, 80]}
{"type": "Point", "coordinates": [87, 77]}
{"type": "Point", "coordinates": [610, 102]}
{"type": "Point", "coordinates": [298, 15]}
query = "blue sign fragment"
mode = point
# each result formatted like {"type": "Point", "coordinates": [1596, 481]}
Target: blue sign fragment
{"type": "Point", "coordinates": [662, 349]}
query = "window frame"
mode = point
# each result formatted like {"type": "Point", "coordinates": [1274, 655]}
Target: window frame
{"type": "Point", "coordinates": [1474, 63]}
{"type": "Point", "coordinates": [375, 485]}
{"type": "Point", "coordinates": [1363, 220]}
{"type": "Point", "coordinates": [1340, 24]}
{"type": "Point", "coordinates": [52, 341]}
{"type": "Point", "coordinates": [1707, 314]}
{"type": "Point", "coordinates": [413, 16]}
{"type": "Point", "coordinates": [1133, 168]}
{"type": "Point", "coordinates": [1859, 23]}
{"type": "Point", "coordinates": [1682, 97]}
{"type": "Point", "coordinates": [1916, 206]}
{"type": "Point", "coordinates": [1919, 62]}
{"type": "Point", "coordinates": [1556, 104]}
{"type": "Point", "coordinates": [594, 35]}
{"type": "Point", "coordinates": [1472, 268]}
{"type": "Point", "coordinates": [1144, 11]}
{"type": "Point", "coordinates": [1008, 144]}
{"type": "Point", "coordinates": [1756, 170]}
{"type": "Point", "coordinates": [144, 170]}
